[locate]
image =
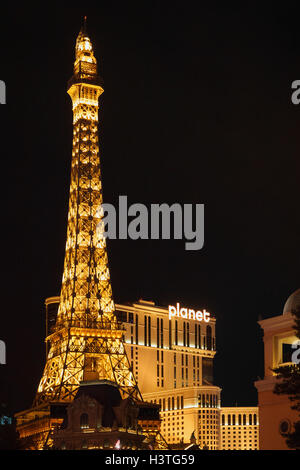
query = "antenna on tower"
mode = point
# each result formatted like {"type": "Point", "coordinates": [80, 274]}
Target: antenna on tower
{"type": "Point", "coordinates": [84, 24]}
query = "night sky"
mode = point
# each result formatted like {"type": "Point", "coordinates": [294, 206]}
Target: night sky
{"type": "Point", "coordinates": [197, 109]}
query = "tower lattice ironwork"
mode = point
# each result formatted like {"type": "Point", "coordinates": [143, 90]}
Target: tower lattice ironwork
{"type": "Point", "coordinates": [86, 343]}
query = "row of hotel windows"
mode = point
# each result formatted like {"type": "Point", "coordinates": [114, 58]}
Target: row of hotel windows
{"type": "Point", "coordinates": [208, 400]}
{"type": "Point", "coordinates": [241, 420]}
{"type": "Point", "coordinates": [184, 366]}
{"type": "Point", "coordinates": [170, 404]}
{"type": "Point", "coordinates": [201, 341]}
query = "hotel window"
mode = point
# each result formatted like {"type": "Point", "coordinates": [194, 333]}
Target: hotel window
{"type": "Point", "coordinates": [176, 332]}
{"type": "Point", "coordinates": [145, 331]}
{"type": "Point", "coordinates": [157, 332]}
{"type": "Point", "coordinates": [84, 421]}
{"type": "Point", "coordinates": [130, 317]}
{"type": "Point", "coordinates": [240, 420]}
{"type": "Point", "coordinates": [244, 420]}
{"type": "Point", "coordinates": [149, 331]}
{"type": "Point", "coordinates": [121, 316]}
{"type": "Point", "coordinates": [233, 420]}
{"type": "Point", "coordinates": [173, 404]}
{"type": "Point", "coordinates": [184, 340]}
{"type": "Point", "coordinates": [223, 420]}
{"type": "Point", "coordinates": [169, 404]}
{"type": "Point", "coordinates": [208, 334]}
{"type": "Point", "coordinates": [164, 404]}
{"type": "Point", "coordinates": [136, 329]}
{"type": "Point", "coordinates": [181, 402]}
{"type": "Point", "coordinates": [161, 333]}
{"type": "Point", "coordinates": [170, 334]}
{"type": "Point", "coordinates": [255, 419]}
{"type": "Point", "coordinates": [188, 335]}
{"type": "Point", "coordinates": [250, 420]}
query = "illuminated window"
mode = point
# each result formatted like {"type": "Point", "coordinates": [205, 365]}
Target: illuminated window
{"type": "Point", "coordinates": [84, 421]}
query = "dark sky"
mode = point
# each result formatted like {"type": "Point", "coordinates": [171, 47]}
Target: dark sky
{"type": "Point", "coordinates": [197, 109]}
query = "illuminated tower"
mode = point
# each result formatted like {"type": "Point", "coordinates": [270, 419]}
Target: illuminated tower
{"type": "Point", "coordinates": [86, 342]}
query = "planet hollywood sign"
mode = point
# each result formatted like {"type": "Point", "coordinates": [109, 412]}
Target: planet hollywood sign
{"type": "Point", "coordinates": [188, 313]}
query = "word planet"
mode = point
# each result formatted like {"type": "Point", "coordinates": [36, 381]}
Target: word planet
{"type": "Point", "coordinates": [188, 313]}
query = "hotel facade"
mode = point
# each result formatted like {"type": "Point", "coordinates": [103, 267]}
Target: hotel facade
{"type": "Point", "coordinates": [172, 360]}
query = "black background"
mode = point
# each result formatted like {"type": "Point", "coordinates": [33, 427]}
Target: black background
{"type": "Point", "coordinates": [197, 109]}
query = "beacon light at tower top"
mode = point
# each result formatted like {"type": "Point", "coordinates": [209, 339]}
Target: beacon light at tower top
{"type": "Point", "coordinates": [188, 313]}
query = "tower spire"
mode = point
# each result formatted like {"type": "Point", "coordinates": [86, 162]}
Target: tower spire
{"type": "Point", "coordinates": [84, 24]}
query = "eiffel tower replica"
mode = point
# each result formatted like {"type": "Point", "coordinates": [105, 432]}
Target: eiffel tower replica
{"type": "Point", "coordinates": [86, 343]}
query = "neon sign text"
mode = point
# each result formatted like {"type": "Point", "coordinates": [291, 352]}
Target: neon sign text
{"type": "Point", "coordinates": [188, 313]}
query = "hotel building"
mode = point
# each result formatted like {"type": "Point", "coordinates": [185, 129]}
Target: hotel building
{"type": "Point", "coordinates": [239, 428]}
{"type": "Point", "coordinates": [276, 415]}
{"type": "Point", "coordinates": [172, 361]}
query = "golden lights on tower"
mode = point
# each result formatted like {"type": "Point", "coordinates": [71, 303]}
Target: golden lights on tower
{"type": "Point", "coordinates": [87, 340]}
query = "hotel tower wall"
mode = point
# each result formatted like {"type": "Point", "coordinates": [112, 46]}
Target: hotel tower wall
{"type": "Point", "coordinates": [172, 361]}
